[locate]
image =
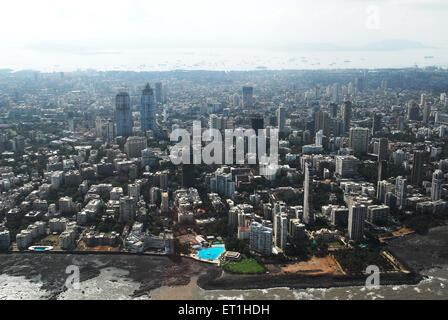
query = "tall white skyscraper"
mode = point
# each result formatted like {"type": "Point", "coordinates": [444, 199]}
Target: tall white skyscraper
{"type": "Point", "coordinates": [308, 213]}
{"type": "Point", "coordinates": [400, 191]}
{"type": "Point", "coordinates": [319, 138]}
{"type": "Point", "coordinates": [436, 187]}
{"type": "Point", "coordinates": [261, 238]}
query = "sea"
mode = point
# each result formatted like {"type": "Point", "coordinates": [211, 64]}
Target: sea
{"type": "Point", "coordinates": [114, 284]}
{"type": "Point", "coordinates": [223, 59]}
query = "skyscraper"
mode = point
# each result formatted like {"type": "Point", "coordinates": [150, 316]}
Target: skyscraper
{"type": "Point", "coordinates": [148, 113]}
{"type": "Point", "coordinates": [417, 168]}
{"type": "Point", "coordinates": [281, 118]}
{"type": "Point", "coordinates": [158, 92]}
{"type": "Point", "coordinates": [376, 123]}
{"type": "Point", "coordinates": [236, 100]}
{"type": "Point", "coordinates": [383, 145]}
{"type": "Point", "coordinates": [257, 123]}
{"type": "Point", "coordinates": [426, 113]}
{"type": "Point", "coordinates": [413, 111]}
{"type": "Point", "coordinates": [123, 115]}
{"type": "Point", "coordinates": [261, 238]}
{"type": "Point", "coordinates": [436, 187]}
{"type": "Point", "coordinates": [356, 216]}
{"type": "Point", "coordinates": [110, 132]}
{"type": "Point", "coordinates": [400, 191]}
{"type": "Point", "coordinates": [322, 122]}
{"type": "Point", "coordinates": [346, 114]}
{"type": "Point", "coordinates": [134, 146]}
{"type": "Point", "coordinates": [382, 170]}
{"type": "Point", "coordinates": [333, 109]}
{"type": "Point", "coordinates": [308, 214]}
{"type": "Point", "coordinates": [359, 140]}
{"type": "Point", "coordinates": [248, 100]}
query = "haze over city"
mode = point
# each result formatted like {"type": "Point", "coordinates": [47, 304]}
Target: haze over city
{"type": "Point", "coordinates": [205, 34]}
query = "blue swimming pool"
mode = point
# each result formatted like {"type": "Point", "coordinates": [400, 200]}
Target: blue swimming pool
{"type": "Point", "coordinates": [210, 253]}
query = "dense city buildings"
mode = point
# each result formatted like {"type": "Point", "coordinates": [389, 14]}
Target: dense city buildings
{"type": "Point", "coordinates": [92, 170]}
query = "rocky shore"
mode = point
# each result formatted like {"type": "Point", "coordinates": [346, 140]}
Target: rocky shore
{"type": "Point", "coordinates": [240, 282]}
{"type": "Point", "coordinates": [416, 252]}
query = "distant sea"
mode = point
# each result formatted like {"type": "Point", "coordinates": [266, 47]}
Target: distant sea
{"type": "Point", "coordinates": [219, 59]}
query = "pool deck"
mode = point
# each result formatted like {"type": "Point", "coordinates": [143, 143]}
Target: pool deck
{"type": "Point", "coordinates": [217, 261]}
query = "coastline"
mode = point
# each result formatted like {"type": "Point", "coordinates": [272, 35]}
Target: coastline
{"type": "Point", "coordinates": [162, 276]}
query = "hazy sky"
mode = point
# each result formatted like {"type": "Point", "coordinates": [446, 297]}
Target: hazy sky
{"type": "Point", "coordinates": [103, 25]}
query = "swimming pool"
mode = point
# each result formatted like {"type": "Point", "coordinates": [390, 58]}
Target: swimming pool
{"type": "Point", "coordinates": [210, 253]}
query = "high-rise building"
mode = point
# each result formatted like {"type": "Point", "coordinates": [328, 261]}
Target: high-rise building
{"type": "Point", "coordinates": [359, 140]}
{"type": "Point", "coordinates": [335, 93]}
{"type": "Point", "coordinates": [426, 113]}
{"type": "Point", "coordinates": [281, 118]}
{"type": "Point", "coordinates": [236, 100]}
{"type": "Point", "coordinates": [261, 238]}
{"type": "Point", "coordinates": [436, 186]}
{"type": "Point", "coordinates": [383, 187]}
{"type": "Point", "coordinates": [376, 123]}
{"type": "Point", "coordinates": [213, 122]}
{"type": "Point", "coordinates": [257, 123]}
{"type": "Point", "coordinates": [401, 186]}
{"type": "Point", "coordinates": [248, 99]}
{"type": "Point", "coordinates": [164, 205]}
{"type": "Point", "coordinates": [383, 145]}
{"type": "Point", "coordinates": [417, 168]}
{"type": "Point", "coordinates": [413, 110]}
{"type": "Point", "coordinates": [346, 114]}
{"type": "Point", "coordinates": [147, 112]}
{"type": "Point", "coordinates": [382, 170]}
{"type": "Point", "coordinates": [110, 132]}
{"type": "Point", "coordinates": [399, 158]}
{"type": "Point", "coordinates": [322, 122]}
{"type": "Point", "coordinates": [187, 175]}
{"type": "Point", "coordinates": [127, 209]}
{"type": "Point", "coordinates": [346, 166]}
{"type": "Point", "coordinates": [308, 213]}
{"type": "Point", "coordinates": [123, 115]}
{"type": "Point", "coordinates": [158, 92]}
{"type": "Point", "coordinates": [134, 146]}
{"type": "Point", "coordinates": [333, 110]}
{"type": "Point", "coordinates": [281, 230]}
{"type": "Point", "coordinates": [356, 216]}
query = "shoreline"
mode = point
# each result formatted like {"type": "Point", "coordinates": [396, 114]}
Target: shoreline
{"type": "Point", "coordinates": [300, 281]}
{"type": "Point", "coordinates": [211, 277]}
{"type": "Point", "coordinates": [415, 252]}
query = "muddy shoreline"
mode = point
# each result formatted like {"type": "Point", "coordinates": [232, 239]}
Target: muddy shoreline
{"type": "Point", "coordinates": [416, 252]}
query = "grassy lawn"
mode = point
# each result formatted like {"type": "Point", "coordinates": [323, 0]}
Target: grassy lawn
{"type": "Point", "coordinates": [244, 266]}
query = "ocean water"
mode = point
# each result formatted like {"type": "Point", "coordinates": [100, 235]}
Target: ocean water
{"type": "Point", "coordinates": [114, 283]}
{"type": "Point", "coordinates": [219, 59]}
{"type": "Point", "coordinates": [434, 287]}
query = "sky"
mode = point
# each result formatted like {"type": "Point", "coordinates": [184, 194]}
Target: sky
{"type": "Point", "coordinates": [101, 26]}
